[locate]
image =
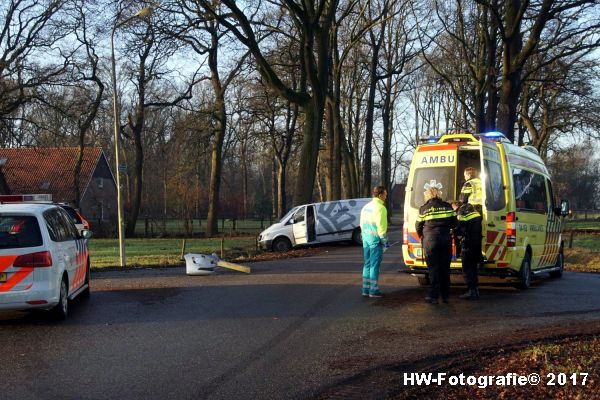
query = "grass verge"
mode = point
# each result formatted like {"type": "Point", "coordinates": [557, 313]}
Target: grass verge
{"type": "Point", "coordinates": [166, 252]}
{"type": "Point", "coordinates": [585, 254]}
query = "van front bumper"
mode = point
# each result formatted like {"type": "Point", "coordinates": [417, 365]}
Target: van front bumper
{"type": "Point", "coordinates": [265, 244]}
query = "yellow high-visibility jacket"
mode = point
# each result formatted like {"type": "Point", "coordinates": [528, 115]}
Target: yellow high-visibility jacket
{"type": "Point", "coordinates": [471, 192]}
{"type": "Point", "coordinates": [373, 223]}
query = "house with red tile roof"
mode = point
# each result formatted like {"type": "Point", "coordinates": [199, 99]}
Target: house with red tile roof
{"type": "Point", "coordinates": [33, 170]}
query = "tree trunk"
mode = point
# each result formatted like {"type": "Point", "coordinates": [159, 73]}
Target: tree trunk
{"type": "Point", "coordinates": [386, 162]}
{"type": "Point", "coordinates": [310, 150]}
{"type": "Point", "coordinates": [244, 150]}
{"type": "Point", "coordinates": [281, 206]}
{"type": "Point", "coordinates": [220, 119]}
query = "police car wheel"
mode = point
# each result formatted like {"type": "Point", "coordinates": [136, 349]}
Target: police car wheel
{"type": "Point", "coordinates": [560, 264]}
{"type": "Point", "coordinates": [357, 236]}
{"type": "Point", "coordinates": [60, 311]}
{"type": "Point", "coordinates": [525, 273]}
{"type": "Point", "coordinates": [281, 245]}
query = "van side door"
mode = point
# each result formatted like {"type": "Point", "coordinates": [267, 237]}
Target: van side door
{"type": "Point", "coordinates": [299, 226]}
{"type": "Point", "coordinates": [494, 203]}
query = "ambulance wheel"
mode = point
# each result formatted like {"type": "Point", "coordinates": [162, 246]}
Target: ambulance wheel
{"type": "Point", "coordinates": [60, 311]}
{"type": "Point", "coordinates": [560, 265]}
{"type": "Point", "coordinates": [424, 280]}
{"type": "Point", "coordinates": [357, 237]}
{"type": "Point", "coordinates": [525, 273]}
{"type": "Point", "coordinates": [281, 245]}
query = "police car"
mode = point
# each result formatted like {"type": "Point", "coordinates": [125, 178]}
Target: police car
{"type": "Point", "coordinates": [44, 260]}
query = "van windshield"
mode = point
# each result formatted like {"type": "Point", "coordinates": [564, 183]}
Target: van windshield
{"type": "Point", "coordinates": [17, 231]}
{"type": "Point", "coordinates": [288, 215]}
{"type": "Point", "coordinates": [424, 178]}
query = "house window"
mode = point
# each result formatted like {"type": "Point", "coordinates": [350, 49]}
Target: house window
{"type": "Point", "coordinates": [100, 183]}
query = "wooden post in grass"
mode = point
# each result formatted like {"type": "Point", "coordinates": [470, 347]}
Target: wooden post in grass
{"type": "Point", "coordinates": [223, 246]}
{"type": "Point", "coordinates": [182, 250]}
{"type": "Point", "coordinates": [571, 239]}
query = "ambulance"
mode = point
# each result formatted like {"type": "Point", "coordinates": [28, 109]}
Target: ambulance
{"type": "Point", "coordinates": [522, 224]}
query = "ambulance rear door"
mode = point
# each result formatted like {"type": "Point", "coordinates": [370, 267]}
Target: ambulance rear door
{"type": "Point", "coordinates": [494, 203]}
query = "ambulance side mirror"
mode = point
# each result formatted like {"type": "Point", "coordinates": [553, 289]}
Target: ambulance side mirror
{"type": "Point", "coordinates": [564, 207]}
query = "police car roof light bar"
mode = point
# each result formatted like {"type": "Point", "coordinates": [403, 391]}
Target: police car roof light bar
{"type": "Point", "coordinates": [25, 198]}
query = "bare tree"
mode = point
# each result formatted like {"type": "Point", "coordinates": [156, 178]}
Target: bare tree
{"type": "Point", "coordinates": [29, 30]}
{"type": "Point", "coordinates": [312, 22]}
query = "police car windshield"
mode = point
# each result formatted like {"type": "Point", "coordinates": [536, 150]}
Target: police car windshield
{"type": "Point", "coordinates": [18, 231]}
{"type": "Point", "coordinates": [440, 177]}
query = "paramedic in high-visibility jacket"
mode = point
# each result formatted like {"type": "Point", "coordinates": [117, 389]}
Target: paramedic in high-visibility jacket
{"type": "Point", "coordinates": [436, 219]}
{"type": "Point", "coordinates": [373, 225]}
{"type": "Point", "coordinates": [471, 190]}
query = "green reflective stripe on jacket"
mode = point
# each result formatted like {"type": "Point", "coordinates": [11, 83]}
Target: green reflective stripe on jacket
{"type": "Point", "coordinates": [469, 216]}
{"type": "Point", "coordinates": [373, 222]}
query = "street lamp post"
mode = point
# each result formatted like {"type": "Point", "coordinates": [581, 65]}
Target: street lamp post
{"type": "Point", "coordinates": [143, 13]}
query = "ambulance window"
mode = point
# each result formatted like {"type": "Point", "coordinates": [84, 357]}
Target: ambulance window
{"type": "Point", "coordinates": [551, 194]}
{"type": "Point", "coordinates": [440, 177]}
{"type": "Point", "coordinates": [530, 191]}
{"type": "Point", "coordinates": [494, 187]}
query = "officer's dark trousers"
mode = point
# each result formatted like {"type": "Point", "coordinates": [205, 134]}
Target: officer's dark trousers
{"type": "Point", "coordinates": [438, 254]}
{"type": "Point", "coordinates": [470, 261]}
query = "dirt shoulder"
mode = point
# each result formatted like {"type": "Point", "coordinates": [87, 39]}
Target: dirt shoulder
{"type": "Point", "coordinates": [568, 349]}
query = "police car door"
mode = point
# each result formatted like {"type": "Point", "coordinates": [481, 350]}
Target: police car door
{"type": "Point", "coordinates": [64, 244]}
{"type": "Point", "coordinates": [299, 227]}
{"type": "Point", "coordinates": [494, 202]}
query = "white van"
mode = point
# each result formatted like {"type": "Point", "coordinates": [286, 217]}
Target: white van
{"type": "Point", "coordinates": [331, 221]}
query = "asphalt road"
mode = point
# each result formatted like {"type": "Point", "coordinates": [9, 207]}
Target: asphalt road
{"type": "Point", "coordinates": [292, 329]}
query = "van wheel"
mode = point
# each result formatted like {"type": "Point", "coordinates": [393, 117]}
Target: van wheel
{"type": "Point", "coordinates": [282, 244]}
{"type": "Point", "coordinates": [357, 237]}
{"type": "Point", "coordinates": [424, 280]}
{"type": "Point", "coordinates": [525, 273]}
{"type": "Point", "coordinates": [60, 311]}
{"type": "Point", "coordinates": [560, 265]}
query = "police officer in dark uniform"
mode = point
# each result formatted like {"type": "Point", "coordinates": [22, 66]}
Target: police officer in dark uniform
{"type": "Point", "coordinates": [468, 230]}
{"type": "Point", "coordinates": [436, 218]}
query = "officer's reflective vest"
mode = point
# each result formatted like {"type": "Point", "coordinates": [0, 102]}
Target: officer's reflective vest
{"type": "Point", "coordinates": [471, 192]}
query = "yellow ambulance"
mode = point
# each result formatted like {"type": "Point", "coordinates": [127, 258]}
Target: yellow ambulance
{"type": "Point", "coordinates": [522, 224]}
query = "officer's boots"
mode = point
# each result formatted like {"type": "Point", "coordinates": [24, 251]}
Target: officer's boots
{"type": "Point", "coordinates": [471, 294]}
